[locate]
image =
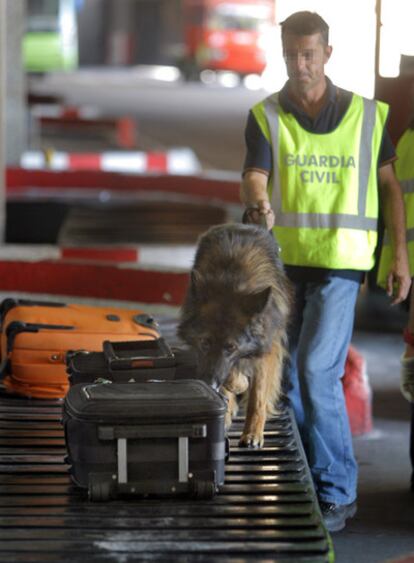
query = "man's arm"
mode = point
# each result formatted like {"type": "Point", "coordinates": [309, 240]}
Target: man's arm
{"type": "Point", "coordinates": [398, 279]}
{"type": "Point", "coordinates": [253, 193]}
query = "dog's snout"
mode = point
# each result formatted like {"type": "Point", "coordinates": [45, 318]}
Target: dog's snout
{"type": "Point", "coordinates": [213, 370]}
{"type": "Point", "coordinates": [212, 381]}
{"type": "Point", "coordinates": [205, 376]}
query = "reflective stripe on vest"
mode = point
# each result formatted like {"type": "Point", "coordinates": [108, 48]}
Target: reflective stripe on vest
{"type": "Point", "coordinates": [325, 220]}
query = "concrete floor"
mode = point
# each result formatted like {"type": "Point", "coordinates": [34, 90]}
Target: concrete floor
{"type": "Point", "coordinates": [383, 529]}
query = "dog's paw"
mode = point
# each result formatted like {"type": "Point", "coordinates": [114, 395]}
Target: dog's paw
{"type": "Point", "coordinates": [228, 419]}
{"type": "Point", "coordinates": [250, 440]}
{"type": "Point", "coordinates": [237, 383]}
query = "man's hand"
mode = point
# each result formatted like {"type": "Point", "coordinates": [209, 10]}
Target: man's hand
{"type": "Point", "coordinates": [398, 280]}
{"type": "Point", "coordinates": [398, 283]}
{"type": "Point", "coordinates": [253, 193]}
{"type": "Point", "coordinates": [261, 214]}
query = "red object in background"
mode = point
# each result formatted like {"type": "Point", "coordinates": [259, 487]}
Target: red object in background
{"type": "Point", "coordinates": [126, 133]}
{"type": "Point", "coordinates": [103, 254]}
{"type": "Point", "coordinates": [227, 34]}
{"type": "Point", "coordinates": [72, 118]}
{"type": "Point", "coordinates": [157, 162]}
{"type": "Point", "coordinates": [84, 161]}
{"type": "Point", "coordinates": [358, 394]}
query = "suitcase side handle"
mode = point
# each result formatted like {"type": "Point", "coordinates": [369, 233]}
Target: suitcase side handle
{"type": "Point", "coordinates": [138, 354]}
{"type": "Point", "coordinates": [160, 431]}
{"type": "Point", "coordinates": [15, 328]}
{"type": "Point", "coordinates": [5, 306]}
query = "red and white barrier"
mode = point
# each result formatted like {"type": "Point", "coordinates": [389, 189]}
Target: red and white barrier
{"type": "Point", "coordinates": [61, 112]}
{"type": "Point", "coordinates": [174, 161]}
{"type": "Point", "coordinates": [22, 182]}
{"type": "Point", "coordinates": [164, 256]}
{"type": "Point", "coordinates": [89, 117]}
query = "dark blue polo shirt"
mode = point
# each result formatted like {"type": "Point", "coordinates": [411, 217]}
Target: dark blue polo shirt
{"type": "Point", "coordinates": [259, 157]}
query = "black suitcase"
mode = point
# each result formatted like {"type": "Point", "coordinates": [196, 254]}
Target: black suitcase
{"type": "Point", "coordinates": [159, 437]}
{"type": "Point", "coordinates": [129, 362]}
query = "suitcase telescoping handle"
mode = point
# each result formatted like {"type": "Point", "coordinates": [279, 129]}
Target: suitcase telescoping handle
{"type": "Point", "coordinates": [181, 431]}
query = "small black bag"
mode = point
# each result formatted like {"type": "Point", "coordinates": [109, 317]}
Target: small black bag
{"type": "Point", "coordinates": [158, 437]}
{"type": "Point", "coordinates": [134, 361]}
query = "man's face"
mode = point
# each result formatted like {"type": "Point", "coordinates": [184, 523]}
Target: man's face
{"type": "Point", "coordinates": [305, 57]}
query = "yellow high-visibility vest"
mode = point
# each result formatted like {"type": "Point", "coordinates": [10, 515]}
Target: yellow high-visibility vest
{"type": "Point", "coordinates": [323, 187]}
{"type": "Point", "coordinates": [404, 170]}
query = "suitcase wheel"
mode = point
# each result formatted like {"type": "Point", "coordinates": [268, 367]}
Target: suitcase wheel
{"type": "Point", "coordinates": [99, 491]}
{"type": "Point", "coordinates": [67, 460]}
{"type": "Point", "coordinates": [203, 489]}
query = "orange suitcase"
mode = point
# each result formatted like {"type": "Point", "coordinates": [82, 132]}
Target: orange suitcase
{"type": "Point", "coordinates": [35, 337]}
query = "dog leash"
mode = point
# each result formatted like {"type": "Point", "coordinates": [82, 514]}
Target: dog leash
{"type": "Point", "coordinates": [263, 224]}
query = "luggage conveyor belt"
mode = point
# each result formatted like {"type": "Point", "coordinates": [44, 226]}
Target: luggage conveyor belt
{"type": "Point", "coordinates": [266, 511]}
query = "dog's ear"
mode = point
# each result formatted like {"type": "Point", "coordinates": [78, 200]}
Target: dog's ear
{"type": "Point", "coordinates": [254, 303]}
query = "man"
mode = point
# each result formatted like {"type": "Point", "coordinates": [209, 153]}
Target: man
{"type": "Point", "coordinates": [404, 170]}
{"type": "Point", "coordinates": [314, 154]}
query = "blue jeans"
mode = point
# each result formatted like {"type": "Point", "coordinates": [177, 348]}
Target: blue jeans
{"type": "Point", "coordinates": [319, 338]}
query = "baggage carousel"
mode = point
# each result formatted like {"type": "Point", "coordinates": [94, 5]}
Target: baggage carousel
{"type": "Point", "coordinates": [266, 511]}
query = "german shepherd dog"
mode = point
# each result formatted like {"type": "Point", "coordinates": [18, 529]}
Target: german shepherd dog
{"type": "Point", "coordinates": [234, 317]}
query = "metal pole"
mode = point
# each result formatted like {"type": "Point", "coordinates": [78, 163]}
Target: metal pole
{"type": "Point", "coordinates": [377, 38]}
{"type": "Point", "coordinates": [15, 78]}
{"type": "Point", "coordinates": [3, 43]}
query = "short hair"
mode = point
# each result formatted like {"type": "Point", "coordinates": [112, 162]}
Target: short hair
{"type": "Point", "coordinates": [305, 23]}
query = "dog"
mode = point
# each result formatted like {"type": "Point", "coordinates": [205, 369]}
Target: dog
{"type": "Point", "coordinates": [234, 318]}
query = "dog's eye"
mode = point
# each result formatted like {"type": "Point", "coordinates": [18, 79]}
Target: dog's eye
{"type": "Point", "coordinates": [229, 347]}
